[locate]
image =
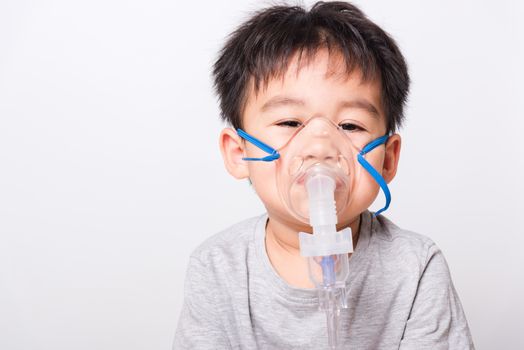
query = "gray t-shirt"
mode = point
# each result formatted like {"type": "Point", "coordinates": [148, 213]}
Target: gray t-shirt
{"type": "Point", "coordinates": [400, 296]}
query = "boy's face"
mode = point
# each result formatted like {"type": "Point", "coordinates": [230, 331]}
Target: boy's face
{"type": "Point", "coordinates": [321, 88]}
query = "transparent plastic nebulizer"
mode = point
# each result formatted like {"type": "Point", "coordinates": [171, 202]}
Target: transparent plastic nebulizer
{"type": "Point", "coordinates": [326, 249]}
{"type": "Point", "coordinates": [316, 173]}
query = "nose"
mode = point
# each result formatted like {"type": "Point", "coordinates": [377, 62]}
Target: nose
{"type": "Point", "coordinates": [320, 143]}
{"type": "Point", "coordinates": [319, 127]}
{"type": "Point", "coordinates": [321, 150]}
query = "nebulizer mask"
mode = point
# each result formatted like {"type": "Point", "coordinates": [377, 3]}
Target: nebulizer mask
{"type": "Point", "coordinates": [318, 166]}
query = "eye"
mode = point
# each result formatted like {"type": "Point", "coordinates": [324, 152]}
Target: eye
{"type": "Point", "coordinates": [351, 127]}
{"type": "Point", "coordinates": [289, 123]}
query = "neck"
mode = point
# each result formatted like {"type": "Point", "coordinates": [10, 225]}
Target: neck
{"type": "Point", "coordinates": [283, 250]}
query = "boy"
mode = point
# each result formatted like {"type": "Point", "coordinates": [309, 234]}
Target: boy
{"type": "Point", "coordinates": [325, 88]}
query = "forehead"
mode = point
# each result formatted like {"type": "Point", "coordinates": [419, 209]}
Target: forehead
{"type": "Point", "coordinates": [317, 83]}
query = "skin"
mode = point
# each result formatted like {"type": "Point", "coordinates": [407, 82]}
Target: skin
{"type": "Point", "coordinates": [322, 84]}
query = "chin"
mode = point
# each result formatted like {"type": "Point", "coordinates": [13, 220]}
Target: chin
{"type": "Point", "coordinates": [349, 216]}
{"type": "Point", "coordinates": [290, 221]}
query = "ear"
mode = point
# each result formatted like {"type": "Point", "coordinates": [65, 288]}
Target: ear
{"type": "Point", "coordinates": [232, 149]}
{"type": "Point", "coordinates": [391, 157]}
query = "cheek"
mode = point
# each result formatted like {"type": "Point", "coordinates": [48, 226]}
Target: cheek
{"type": "Point", "coordinates": [366, 191]}
{"type": "Point", "coordinates": [367, 184]}
{"type": "Point", "coordinates": [263, 179]}
{"type": "Point", "coordinates": [376, 159]}
{"type": "Point", "coordinates": [253, 152]}
{"type": "Point", "coordinates": [366, 188]}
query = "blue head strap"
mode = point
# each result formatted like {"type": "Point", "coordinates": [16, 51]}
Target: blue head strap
{"type": "Point", "coordinates": [373, 172]}
{"type": "Point", "coordinates": [273, 155]}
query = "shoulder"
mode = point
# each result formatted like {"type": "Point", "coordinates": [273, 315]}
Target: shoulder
{"type": "Point", "coordinates": [385, 230]}
{"type": "Point", "coordinates": [232, 242]}
{"type": "Point", "coordinates": [411, 250]}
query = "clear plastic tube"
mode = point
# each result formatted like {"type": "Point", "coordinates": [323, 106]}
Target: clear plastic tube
{"type": "Point", "coordinates": [330, 283]}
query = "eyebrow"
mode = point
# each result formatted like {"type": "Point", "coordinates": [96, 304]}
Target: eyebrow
{"type": "Point", "coordinates": [362, 104]}
{"type": "Point", "coordinates": [280, 100]}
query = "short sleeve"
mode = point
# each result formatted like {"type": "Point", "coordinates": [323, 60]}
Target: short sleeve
{"type": "Point", "coordinates": [436, 320]}
{"type": "Point", "coordinates": [199, 326]}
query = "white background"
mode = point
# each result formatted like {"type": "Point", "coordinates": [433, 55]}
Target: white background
{"type": "Point", "coordinates": [110, 174]}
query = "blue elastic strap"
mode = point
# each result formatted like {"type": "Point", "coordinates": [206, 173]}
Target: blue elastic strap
{"type": "Point", "coordinates": [374, 173]}
{"type": "Point", "coordinates": [273, 153]}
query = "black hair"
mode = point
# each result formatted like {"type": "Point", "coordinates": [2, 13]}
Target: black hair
{"type": "Point", "coordinates": [261, 48]}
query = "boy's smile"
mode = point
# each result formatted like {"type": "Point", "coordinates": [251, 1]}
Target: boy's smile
{"type": "Point", "coordinates": [320, 88]}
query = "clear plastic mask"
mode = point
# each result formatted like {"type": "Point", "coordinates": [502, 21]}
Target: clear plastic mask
{"type": "Point", "coordinates": [317, 145]}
